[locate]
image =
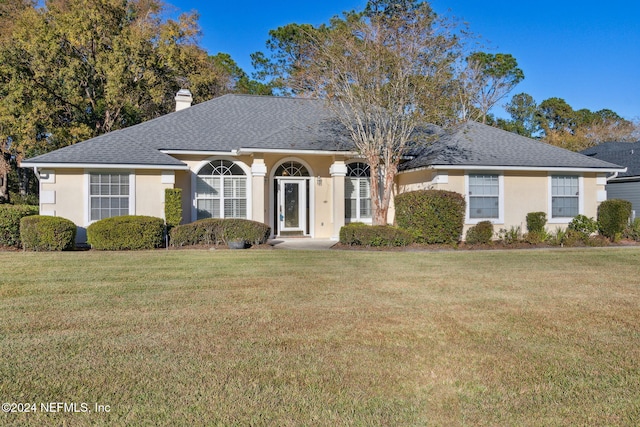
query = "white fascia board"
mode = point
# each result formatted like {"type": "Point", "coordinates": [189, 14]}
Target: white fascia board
{"type": "Point", "coordinates": [525, 168]}
{"type": "Point", "coordinates": [421, 168]}
{"type": "Point", "coordinates": [201, 152]}
{"type": "Point", "coordinates": [101, 166]}
{"type": "Point", "coordinates": [296, 152]}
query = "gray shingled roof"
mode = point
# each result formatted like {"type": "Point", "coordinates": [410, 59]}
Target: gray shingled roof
{"type": "Point", "coordinates": [223, 124]}
{"type": "Point", "coordinates": [475, 144]}
{"type": "Point", "coordinates": [233, 122]}
{"type": "Point", "coordinates": [621, 153]}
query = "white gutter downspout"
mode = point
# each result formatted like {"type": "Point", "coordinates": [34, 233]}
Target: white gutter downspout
{"type": "Point", "coordinates": [614, 176]}
{"type": "Point", "coordinates": [35, 171]}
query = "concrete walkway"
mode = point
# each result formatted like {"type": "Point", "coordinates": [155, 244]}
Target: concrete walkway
{"type": "Point", "coordinates": [305, 243]}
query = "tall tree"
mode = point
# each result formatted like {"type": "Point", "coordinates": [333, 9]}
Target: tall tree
{"type": "Point", "coordinates": [74, 69]}
{"type": "Point", "coordinates": [290, 46]}
{"type": "Point", "coordinates": [522, 108]}
{"type": "Point", "coordinates": [240, 81]}
{"type": "Point", "coordinates": [557, 123]}
{"type": "Point", "coordinates": [376, 68]}
{"type": "Point", "coordinates": [487, 79]}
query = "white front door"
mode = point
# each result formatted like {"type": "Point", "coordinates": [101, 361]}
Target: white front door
{"type": "Point", "coordinates": [292, 205]}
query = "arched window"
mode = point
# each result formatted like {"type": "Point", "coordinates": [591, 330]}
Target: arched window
{"type": "Point", "coordinates": [357, 193]}
{"type": "Point", "coordinates": [291, 169]}
{"type": "Point", "coordinates": [221, 190]}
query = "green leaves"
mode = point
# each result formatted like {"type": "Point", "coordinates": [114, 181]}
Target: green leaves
{"type": "Point", "coordinates": [75, 69]}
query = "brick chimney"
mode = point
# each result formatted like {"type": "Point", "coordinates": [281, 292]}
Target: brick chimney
{"type": "Point", "coordinates": [183, 99]}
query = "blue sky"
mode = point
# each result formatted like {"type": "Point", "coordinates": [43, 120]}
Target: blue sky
{"type": "Point", "coordinates": [586, 52]}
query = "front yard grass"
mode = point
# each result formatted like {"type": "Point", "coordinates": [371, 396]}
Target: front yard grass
{"type": "Point", "coordinates": [322, 338]}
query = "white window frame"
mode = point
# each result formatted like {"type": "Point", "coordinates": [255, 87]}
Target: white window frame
{"type": "Point", "coordinates": [560, 220]}
{"type": "Point", "coordinates": [500, 219]}
{"type": "Point", "coordinates": [87, 191]}
{"type": "Point", "coordinates": [248, 187]}
{"type": "Point", "coordinates": [357, 180]}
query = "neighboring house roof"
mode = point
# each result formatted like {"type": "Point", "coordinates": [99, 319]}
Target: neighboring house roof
{"type": "Point", "coordinates": [236, 123]}
{"type": "Point", "coordinates": [473, 144]}
{"type": "Point", "coordinates": [621, 153]}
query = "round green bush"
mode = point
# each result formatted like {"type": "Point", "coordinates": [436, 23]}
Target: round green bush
{"type": "Point", "coordinates": [129, 232]}
{"type": "Point", "coordinates": [47, 233]}
{"type": "Point", "coordinates": [359, 234]}
{"type": "Point", "coordinates": [216, 231]}
{"type": "Point", "coordinates": [10, 216]}
{"type": "Point", "coordinates": [613, 217]}
{"type": "Point", "coordinates": [431, 216]}
{"type": "Point", "coordinates": [481, 233]}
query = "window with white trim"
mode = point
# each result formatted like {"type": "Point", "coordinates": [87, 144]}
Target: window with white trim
{"type": "Point", "coordinates": [108, 195]}
{"type": "Point", "coordinates": [357, 192]}
{"type": "Point", "coordinates": [221, 191]}
{"type": "Point", "coordinates": [484, 196]}
{"type": "Point", "coordinates": [565, 196]}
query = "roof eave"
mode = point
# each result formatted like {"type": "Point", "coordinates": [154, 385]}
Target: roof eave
{"type": "Point", "coordinates": [531, 168]}
{"type": "Point", "coordinates": [298, 152]}
{"type": "Point", "coordinates": [518, 168]}
{"type": "Point", "coordinates": [102, 166]}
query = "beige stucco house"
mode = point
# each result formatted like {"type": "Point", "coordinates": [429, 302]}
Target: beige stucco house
{"type": "Point", "coordinates": [288, 162]}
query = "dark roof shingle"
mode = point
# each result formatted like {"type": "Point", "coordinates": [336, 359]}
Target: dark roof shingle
{"type": "Point", "coordinates": [621, 153]}
{"type": "Point", "coordinates": [475, 144]}
{"type": "Point", "coordinates": [234, 122]}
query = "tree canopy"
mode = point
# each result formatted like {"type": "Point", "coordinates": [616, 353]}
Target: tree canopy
{"type": "Point", "coordinates": [74, 69]}
{"type": "Point", "coordinates": [487, 79]}
{"type": "Point", "coordinates": [384, 71]}
{"type": "Point", "coordinates": [556, 122]}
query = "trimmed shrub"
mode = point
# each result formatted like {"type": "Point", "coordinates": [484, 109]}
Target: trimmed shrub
{"type": "Point", "coordinates": [359, 234]}
{"type": "Point", "coordinates": [129, 232]}
{"type": "Point", "coordinates": [173, 206]}
{"type": "Point", "coordinates": [10, 216]}
{"type": "Point", "coordinates": [431, 216]}
{"type": "Point", "coordinates": [536, 222]}
{"type": "Point", "coordinates": [481, 233]}
{"type": "Point", "coordinates": [47, 233]}
{"type": "Point", "coordinates": [216, 231]}
{"type": "Point", "coordinates": [252, 232]}
{"type": "Point", "coordinates": [613, 217]}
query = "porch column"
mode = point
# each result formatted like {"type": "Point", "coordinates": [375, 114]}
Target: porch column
{"type": "Point", "coordinates": [338, 171]}
{"type": "Point", "coordinates": [258, 172]}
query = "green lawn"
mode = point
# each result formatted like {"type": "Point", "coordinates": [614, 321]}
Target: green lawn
{"type": "Point", "coordinates": [327, 338]}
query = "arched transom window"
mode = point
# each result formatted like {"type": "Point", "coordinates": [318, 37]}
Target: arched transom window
{"type": "Point", "coordinates": [221, 190]}
{"type": "Point", "coordinates": [357, 192]}
{"type": "Point", "coordinates": [292, 169]}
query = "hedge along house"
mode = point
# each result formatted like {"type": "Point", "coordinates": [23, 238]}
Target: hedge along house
{"type": "Point", "coordinates": [289, 163]}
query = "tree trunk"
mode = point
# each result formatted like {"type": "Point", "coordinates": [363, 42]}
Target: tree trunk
{"type": "Point", "coordinates": [24, 176]}
{"type": "Point", "coordinates": [4, 187]}
{"type": "Point", "coordinates": [381, 192]}
{"type": "Point", "coordinates": [4, 177]}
